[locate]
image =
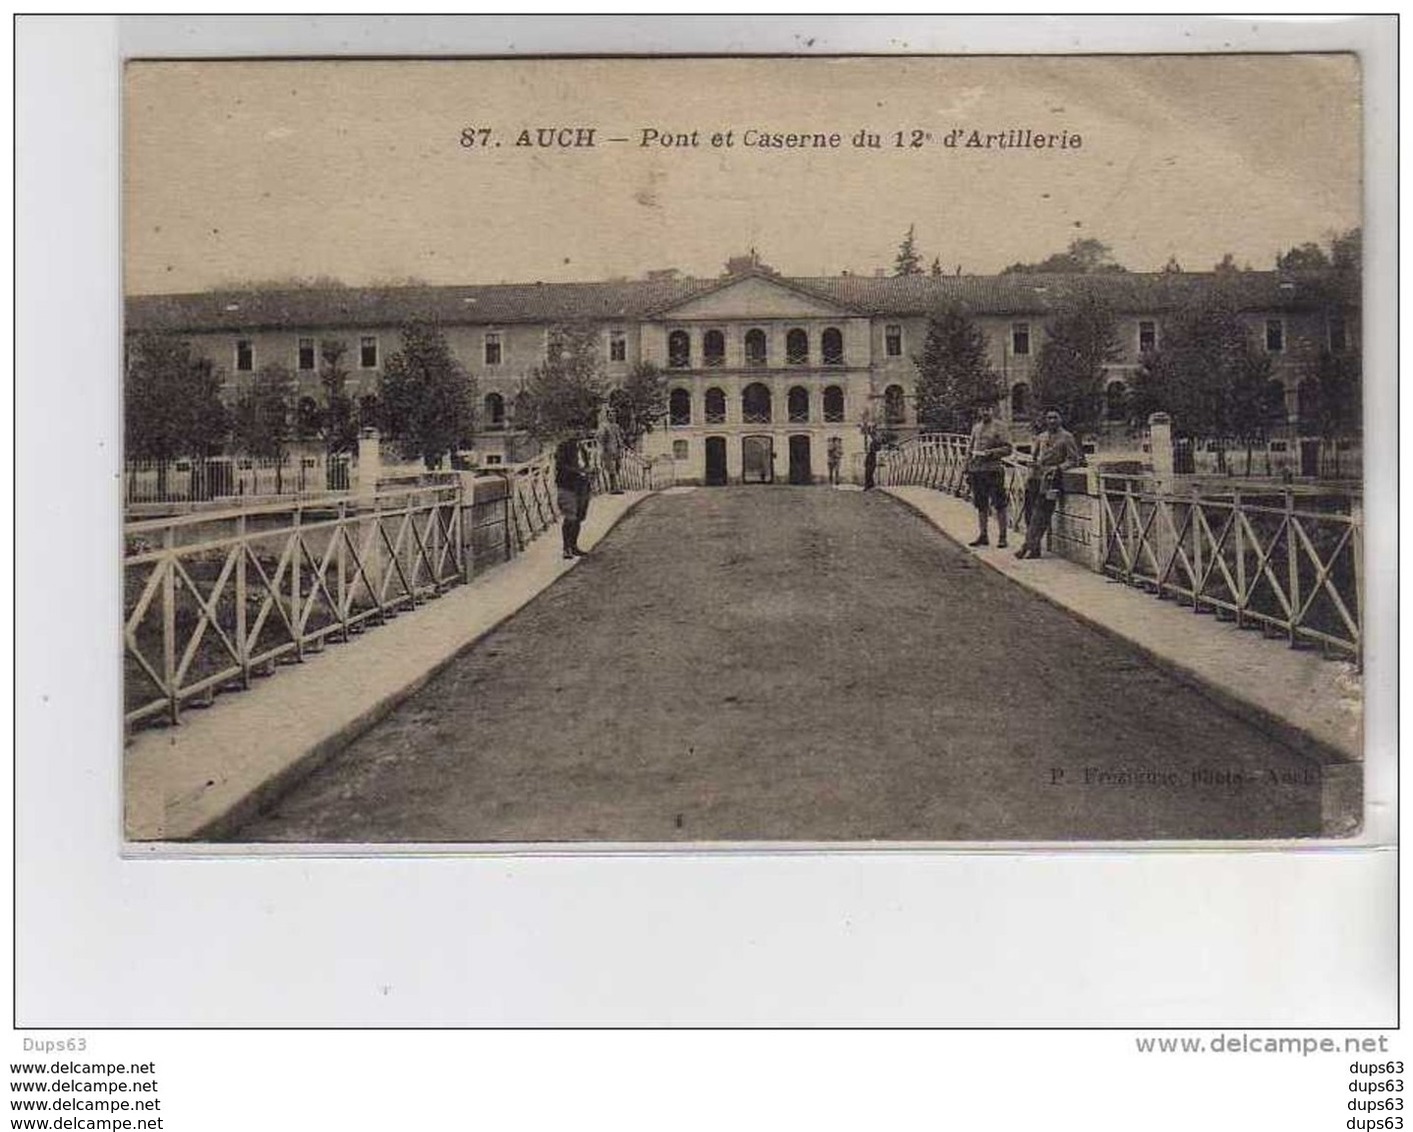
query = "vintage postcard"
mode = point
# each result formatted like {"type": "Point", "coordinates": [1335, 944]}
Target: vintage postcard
{"type": "Point", "coordinates": [780, 450]}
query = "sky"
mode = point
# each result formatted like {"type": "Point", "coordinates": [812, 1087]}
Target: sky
{"type": "Point", "coordinates": [358, 170]}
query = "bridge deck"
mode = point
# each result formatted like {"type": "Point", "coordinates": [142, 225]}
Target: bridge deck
{"type": "Point", "coordinates": [784, 664]}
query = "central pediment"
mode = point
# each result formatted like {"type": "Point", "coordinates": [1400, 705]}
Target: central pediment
{"type": "Point", "coordinates": [754, 297]}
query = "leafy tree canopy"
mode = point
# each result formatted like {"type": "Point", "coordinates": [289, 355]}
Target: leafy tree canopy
{"type": "Point", "coordinates": [954, 377]}
{"type": "Point", "coordinates": [640, 402]}
{"type": "Point", "coordinates": [340, 415]}
{"type": "Point", "coordinates": [562, 396]}
{"type": "Point", "coordinates": [1208, 374]}
{"type": "Point", "coordinates": [1080, 339]}
{"type": "Point", "coordinates": [264, 413]}
{"type": "Point", "coordinates": [1085, 256]}
{"type": "Point", "coordinates": [428, 400]}
{"type": "Point", "coordinates": [172, 401]}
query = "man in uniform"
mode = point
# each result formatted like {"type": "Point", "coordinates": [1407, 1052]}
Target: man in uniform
{"type": "Point", "coordinates": [989, 445]}
{"type": "Point", "coordinates": [1056, 451]}
{"type": "Point", "coordinates": [611, 451]}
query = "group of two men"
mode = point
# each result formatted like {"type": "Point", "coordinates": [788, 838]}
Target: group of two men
{"type": "Point", "coordinates": [1055, 451]}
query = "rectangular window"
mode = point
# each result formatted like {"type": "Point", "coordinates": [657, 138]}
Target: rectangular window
{"type": "Point", "coordinates": [306, 353]}
{"type": "Point", "coordinates": [245, 355]}
{"type": "Point", "coordinates": [368, 353]}
{"type": "Point", "coordinates": [893, 341]}
{"type": "Point", "coordinates": [617, 346]}
{"type": "Point", "coordinates": [493, 458]}
{"type": "Point", "coordinates": [1339, 336]}
{"type": "Point", "coordinates": [1147, 337]}
{"type": "Point", "coordinates": [1275, 335]}
{"type": "Point", "coordinates": [679, 449]}
{"type": "Point", "coordinates": [492, 348]}
{"type": "Point", "coordinates": [1020, 339]}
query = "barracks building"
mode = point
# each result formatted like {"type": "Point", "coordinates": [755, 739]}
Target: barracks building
{"type": "Point", "coordinates": [764, 371]}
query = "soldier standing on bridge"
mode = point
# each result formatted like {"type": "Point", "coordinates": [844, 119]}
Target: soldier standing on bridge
{"type": "Point", "coordinates": [1056, 450]}
{"type": "Point", "coordinates": [611, 451]}
{"type": "Point", "coordinates": [573, 489]}
{"type": "Point", "coordinates": [989, 445]}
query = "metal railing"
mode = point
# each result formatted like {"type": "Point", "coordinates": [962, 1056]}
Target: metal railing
{"type": "Point", "coordinates": [214, 599]}
{"type": "Point", "coordinates": [1290, 561]}
{"type": "Point", "coordinates": [939, 460]}
{"type": "Point", "coordinates": [203, 479]}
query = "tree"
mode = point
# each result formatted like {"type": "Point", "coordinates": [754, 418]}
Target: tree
{"type": "Point", "coordinates": [936, 270]}
{"type": "Point", "coordinates": [562, 396]}
{"type": "Point", "coordinates": [172, 401]}
{"type": "Point", "coordinates": [264, 413]}
{"type": "Point", "coordinates": [954, 377]}
{"type": "Point", "coordinates": [640, 402]}
{"type": "Point", "coordinates": [908, 262]}
{"type": "Point", "coordinates": [1339, 393]}
{"type": "Point", "coordinates": [1347, 252]}
{"type": "Point", "coordinates": [1228, 266]}
{"type": "Point", "coordinates": [340, 417]}
{"type": "Point", "coordinates": [1080, 339]}
{"type": "Point", "coordinates": [1307, 257]}
{"type": "Point", "coordinates": [1208, 374]}
{"type": "Point", "coordinates": [428, 400]}
{"type": "Point", "coordinates": [1172, 267]}
{"type": "Point", "coordinates": [1085, 256]}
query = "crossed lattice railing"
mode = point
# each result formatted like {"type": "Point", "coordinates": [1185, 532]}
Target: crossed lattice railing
{"type": "Point", "coordinates": [1289, 561]}
{"type": "Point", "coordinates": [534, 502]}
{"type": "Point", "coordinates": [212, 600]}
{"type": "Point", "coordinates": [939, 460]}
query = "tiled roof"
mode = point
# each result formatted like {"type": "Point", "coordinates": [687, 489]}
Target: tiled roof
{"type": "Point", "coordinates": [635, 300]}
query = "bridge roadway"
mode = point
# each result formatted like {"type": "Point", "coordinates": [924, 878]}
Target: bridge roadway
{"type": "Point", "coordinates": [785, 664]}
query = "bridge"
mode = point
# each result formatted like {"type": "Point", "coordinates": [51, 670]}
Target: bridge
{"type": "Point", "coordinates": [746, 664]}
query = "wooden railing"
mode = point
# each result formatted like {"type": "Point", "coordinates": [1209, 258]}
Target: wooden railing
{"type": "Point", "coordinates": [1290, 561]}
{"type": "Point", "coordinates": [214, 599]}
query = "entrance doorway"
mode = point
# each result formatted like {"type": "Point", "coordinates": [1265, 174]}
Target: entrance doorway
{"type": "Point", "coordinates": [715, 461]}
{"type": "Point", "coordinates": [800, 460]}
{"type": "Point", "coordinates": [757, 459]}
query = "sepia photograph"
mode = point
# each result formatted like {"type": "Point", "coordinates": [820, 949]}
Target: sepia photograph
{"type": "Point", "coordinates": [666, 451]}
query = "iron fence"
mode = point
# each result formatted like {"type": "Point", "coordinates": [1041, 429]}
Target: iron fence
{"type": "Point", "coordinates": [204, 479]}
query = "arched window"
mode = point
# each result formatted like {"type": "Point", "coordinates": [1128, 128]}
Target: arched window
{"type": "Point", "coordinates": [756, 353]}
{"type": "Point", "coordinates": [893, 410]}
{"type": "Point", "coordinates": [1307, 405]}
{"type": "Point", "coordinates": [679, 349]}
{"type": "Point", "coordinates": [1115, 401]}
{"type": "Point", "coordinates": [797, 347]}
{"type": "Point", "coordinates": [755, 404]}
{"type": "Point", "coordinates": [495, 410]}
{"type": "Point", "coordinates": [1020, 401]}
{"type": "Point", "coordinates": [833, 404]}
{"type": "Point", "coordinates": [832, 347]}
{"type": "Point", "coordinates": [679, 407]}
{"type": "Point", "coordinates": [715, 406]}
{"type": "Point", "coordinates": [797, 404]}
{"type": "Point", "coordinates": [714, 348]}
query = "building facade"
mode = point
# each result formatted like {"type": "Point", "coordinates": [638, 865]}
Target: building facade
{"type": "Point", "coordinates": [765, 374]}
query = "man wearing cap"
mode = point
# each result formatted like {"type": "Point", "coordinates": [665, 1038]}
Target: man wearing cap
{"type": "Point", "coordinates": [989, 445]}
{"type": "Point", "coordinates": [1056, 451]}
